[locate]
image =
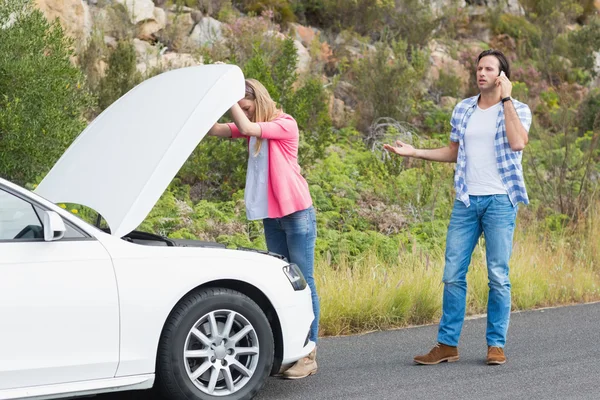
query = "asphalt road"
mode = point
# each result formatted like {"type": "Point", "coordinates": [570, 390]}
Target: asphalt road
{"type": "Point", "coordinates": [552, 354]}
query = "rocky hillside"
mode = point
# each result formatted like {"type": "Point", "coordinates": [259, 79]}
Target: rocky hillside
{"type": "Point", "coordinates": [167, 35]}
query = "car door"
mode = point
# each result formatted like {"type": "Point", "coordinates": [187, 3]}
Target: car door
{"type": "Point", "coordinates": [59, 312]}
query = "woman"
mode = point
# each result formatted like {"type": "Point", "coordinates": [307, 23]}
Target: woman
{"type": "Point", "coordinates": [276, 192]}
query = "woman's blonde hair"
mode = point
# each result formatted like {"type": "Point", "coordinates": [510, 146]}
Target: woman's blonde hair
{"type": "Point", "coordinates": [265, 108]}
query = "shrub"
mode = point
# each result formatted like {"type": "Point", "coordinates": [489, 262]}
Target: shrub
{"type": "Point", "coordinates": [282, 10]}
{"type": "Point", "coordinates": [42, 95]}
{"type": "Point", "coordinates": [392, 91]}
{"type": "Point", "coordinates": [412, 21]}
{"type": "Point", "coordinates": [247, 35]}
{"type": "Point", "coordinates": [527, 35]}
{"type": "Point", "coordinates": [362, 16]}
{"type": "Point", "coordinates": [447, 84]}
{"type": "Point", "coordinates": [589, 113]}
{"type": "Point", "coordinates": [121, 75]}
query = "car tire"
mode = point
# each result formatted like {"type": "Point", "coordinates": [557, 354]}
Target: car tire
{"type": "Point", "coordinates": [199, 359]}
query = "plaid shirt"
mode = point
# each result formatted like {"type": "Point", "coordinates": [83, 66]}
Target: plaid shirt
{"type": "Point", "coordinates": [507, 160]}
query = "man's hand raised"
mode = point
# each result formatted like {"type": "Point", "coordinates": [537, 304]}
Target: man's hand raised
{"type": "Point", "coordinates": [402, 149]}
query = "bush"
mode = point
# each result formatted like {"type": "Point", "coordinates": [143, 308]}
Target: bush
{"type": "Point", "coordinates": [412, 21]}
{"type": "Point", "coordinates": [121, 75]}
{"type": "Point", "coordinates": [245, 36]}
{"type": "Point", "coordinates": [447, 84]}
{"type": "Point", "coordinates": [308, 105]}
{"type": "Point", "coordinates": [362, 16]}
{"type": "Point", "coordinates": [216, 169]}
{"type": "Point", "coordinates": [281, 9]}
{"type": "Point", "coordinates": [394, 90]}
{"type": "Point", "coordinates": [42, 95]}
{"type": "Point", "coordinates": [589, 113]}
{"type": "Point", "coordinates": [582, 44]}
{"type": "Point", "coordinates": [526, 34]}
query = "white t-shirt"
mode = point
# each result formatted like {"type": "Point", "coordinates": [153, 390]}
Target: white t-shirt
{"type": "Point", "coordinates": [255, 194]}
{"type": "Point", "coordinates": [482, 176]}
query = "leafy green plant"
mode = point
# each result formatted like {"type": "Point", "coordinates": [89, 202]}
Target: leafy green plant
{"type": "Point", "coordinates": [281, 10]}
{"type": "Point", "coordinates": [43, 96]}
{"type": "Point", "coordinates": [121, 75]}
{"type": "Point", "coordinates": [392, 91]}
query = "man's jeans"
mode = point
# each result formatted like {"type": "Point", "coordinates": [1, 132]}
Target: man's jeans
{"type": "Point", "coordinates": [495, 216]}
{"type": "Point", "coordinates": [294, 237]}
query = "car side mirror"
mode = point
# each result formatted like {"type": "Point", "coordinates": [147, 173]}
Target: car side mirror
{"type": "Point", "coordinates": [54, 226]}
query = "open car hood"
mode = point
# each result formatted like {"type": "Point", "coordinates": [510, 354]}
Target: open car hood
{"type": "Point", "coordinates": [124, 160]}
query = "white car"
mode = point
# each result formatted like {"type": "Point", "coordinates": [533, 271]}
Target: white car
{"type": "Point", "coordinates": [83, 311]}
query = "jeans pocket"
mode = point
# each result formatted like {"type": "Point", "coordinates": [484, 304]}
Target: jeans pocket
{"type": "Point", "coordinates": [502, 199]}
{"type": "Point", "coordinates": [297, 216]}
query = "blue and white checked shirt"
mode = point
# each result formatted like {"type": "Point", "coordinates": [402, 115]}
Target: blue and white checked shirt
{"type": "Point", "coordinates": [507, 160]}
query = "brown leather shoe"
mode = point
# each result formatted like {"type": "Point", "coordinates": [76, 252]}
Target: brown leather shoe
{"type": "Point", "coordinates": [304, 367]}
{"type": "Point", "coordinates": [495, 356]}
{"type": "Point", "coordinates": [438, 354]}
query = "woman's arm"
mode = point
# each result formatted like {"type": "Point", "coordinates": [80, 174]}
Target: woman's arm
{"type": "Point", "coordinates": [246, 127]}
{"type": "Point", "coordinates": [221, 130]}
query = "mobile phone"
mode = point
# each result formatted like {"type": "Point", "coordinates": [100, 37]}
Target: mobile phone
{"type": "Point", "coordinates": [502, 73]}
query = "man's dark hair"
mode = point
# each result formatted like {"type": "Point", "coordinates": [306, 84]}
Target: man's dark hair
{"type": "Point", "coordinates": [504, 66]}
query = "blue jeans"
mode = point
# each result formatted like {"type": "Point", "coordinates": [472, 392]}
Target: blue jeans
{"type": "Point", "coordinates": [495, 216]}
{"type": "Point", "coordinates": [294, 237]}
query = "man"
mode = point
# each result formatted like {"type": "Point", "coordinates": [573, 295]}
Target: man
{"type": "Point", "coordinates": [489, 132]}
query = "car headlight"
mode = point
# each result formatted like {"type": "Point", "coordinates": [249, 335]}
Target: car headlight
{"type": "Point", "coordinates": [295, 276]}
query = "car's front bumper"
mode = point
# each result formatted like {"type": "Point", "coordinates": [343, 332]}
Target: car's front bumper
{"type": "Point", "coordinates": [295, 327]}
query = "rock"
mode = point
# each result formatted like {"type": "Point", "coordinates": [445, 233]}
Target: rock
{"type": "Point", "coordinates": [144, 50]}
{"type": "Point", "coordinates": [139, 10]}
{"type": "Point", "coordinates": [197, 16]}
{"type": "Point", "coordinates": [110, 42]}
{"type": "Point", "coordinates": [438, 7]}
{"type": "Point", "coordinates": [302, 33]}
{"type": "Point", "coordinates": [74, 16]}
{"type": "Point", "coordinates": [207, 32]}
{"type": "Point", "coordinates": [441, 60]}
{"type": "Point", "coordinates": [597, 61]}
{"type": "Point", "coordinates": [477, 7]}
{"type": "Point", "coordinates": [448, 101]}
{"type": "Point", "coordinates": [147, 30]}
{"type": "Point", "coordinates": [177, 33]}
{"type": "Point", "coordinates": [160, 16]}
{"type": "Point", "coordinates": [304, 58]}
{"type": "Point", "coordinates": [167, 61]}
{"type": "Point", "coordinates": [351, 47]}
{"type": "Point", "coordinates": [347, 93]}
{"type": "Point", "coordinates": [337, 112]}
{"type": "Point", "coordinates": [505, 43]}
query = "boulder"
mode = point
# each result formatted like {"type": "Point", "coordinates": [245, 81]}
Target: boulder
{"type": "Point", "coordinates": [304, 58]}
{"type": "Point", "coordinates": [302, 33]}
{"type": "Point", "coordinates": [147, 30]}
{"type": "Point", "coordinates": [74, 16]}
{"type": "Point", "coordinates": [207, 32]}
{"type": "Point", "coordinates": [139, 10]}
{"type": "Point", "coordinates": [441, 60]}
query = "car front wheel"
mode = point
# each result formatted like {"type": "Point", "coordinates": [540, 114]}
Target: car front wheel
{"type": "Point", "coordinates": [217, 343]}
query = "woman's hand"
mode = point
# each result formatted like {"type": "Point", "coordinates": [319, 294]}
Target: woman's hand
{"type": "Point", "coordinates": [245, 126]}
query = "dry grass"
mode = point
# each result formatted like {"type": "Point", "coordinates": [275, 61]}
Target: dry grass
{"type": "Point", "coordinates": [364, 294]}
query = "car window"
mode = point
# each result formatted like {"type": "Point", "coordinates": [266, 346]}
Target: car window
{"type": "Point", "coordinates": [21, 220]}
{"type": "Point", "coordinates": [70, 233]}
{"type": "Point", "coordinates": [18, 219]}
